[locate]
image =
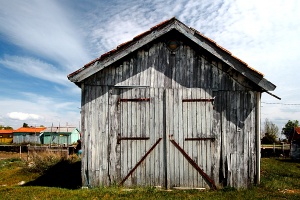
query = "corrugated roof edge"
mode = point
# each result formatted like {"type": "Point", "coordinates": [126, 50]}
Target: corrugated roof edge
{"type": "Point", "coordinates": [160, 25]}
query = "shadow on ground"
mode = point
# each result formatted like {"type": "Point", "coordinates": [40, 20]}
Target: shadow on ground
{"type": "Point", "coordinates": [64, 175]}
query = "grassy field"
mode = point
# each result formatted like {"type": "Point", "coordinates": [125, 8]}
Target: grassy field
{"type": "Point", "coordinates": [52, 178]}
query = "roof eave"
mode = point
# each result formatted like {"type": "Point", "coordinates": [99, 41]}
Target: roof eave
{"type": "Point", "coordinates": [204, 42]}
{"type": "Point", "coordinates": [98, 64]}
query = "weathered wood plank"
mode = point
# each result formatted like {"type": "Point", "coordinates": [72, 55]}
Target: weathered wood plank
{"type": "Point", "coordinates": [239, 142]}
{"type": "Point", "coordinates": [105, 137]}
{"type": "Point", "coordinates": [113, 133]}
{"type": "Point", "coordinates": [176, 131]}
{"type": "Point", "coordinates": [168, 123]}
{"type": "Point", "coordinates": [147, 121]}
{"type": "Point", "coordinates": [123, 132]}
{"type": "Point", "coordinates": [91, 145]}
{"type": "Point", "coordinates": [198, 134]}
{"type": "Point", "coordinates": [216, 133]}
{"type": "Point", "coordinates": [137, 133]}
{"type": "Point", "coordinates": [209, 149]}
{"type": "Point", "coordinates": [180, 137]}
{"type": "Point", "coordinates": [95, 135]}
{"type": "Point", "coordinates": [185, 134]}
{"type": "Point", "coordinates": [150, 131]}
{"type": "Point", "coordinates": [161, 151]}
{"type": "Point", "coordinates": [129, 164]}
{"type": "Point", "coordinates": [252, 106]}
{"type": "Point", "coordinates": [193, 144]}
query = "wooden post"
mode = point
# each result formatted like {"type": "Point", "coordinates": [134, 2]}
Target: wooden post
{"type": "Point", "coordinates": [27, 152]}
{"type": "Point", "coordinates": [283, 149]}
{"type": "Point", "coordinates": [20, 151]}
{"type": "Point", "coordinates": [258, 110]}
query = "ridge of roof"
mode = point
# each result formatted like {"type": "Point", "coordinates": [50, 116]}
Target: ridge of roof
{"type": "Point", "coordinates": [29, 129]}
{"type": "Point", "coordinates": [156, 27]}
{"type": "Point", "coordinates": [60, 129]}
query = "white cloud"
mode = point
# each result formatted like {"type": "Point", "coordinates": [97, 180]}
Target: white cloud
{"type": "Point", "coordinates": [263, 34]}
{"type": "Point", "coordinates": [23, 116]}
{"type": "Point", "coordinates": [36, 68]}
{"type": "Point", "coordinates": [35, 109]}
{"type": "Point", "coordinates": [114, 25]}
{"type": "Point", "coordinates": [43, 28]}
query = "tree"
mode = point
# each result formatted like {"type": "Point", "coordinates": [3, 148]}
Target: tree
{"type": "Point", "coordinates": [289, 128]}
{"type": "Point", "coordinates": [25, 125]}
{"type": "Point", "coordinates": [271, 131]}
{"type": "Point", "coordinates": [5, 127]}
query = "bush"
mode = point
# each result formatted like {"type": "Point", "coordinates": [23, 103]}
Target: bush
{"type": "Point", "coordinates": [40, 163]}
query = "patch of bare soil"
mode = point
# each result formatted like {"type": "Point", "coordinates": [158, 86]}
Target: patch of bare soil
{"type": "Point", "coordinates": [8, 155]}
{"type": "Point", "coordinates": [293, 191]}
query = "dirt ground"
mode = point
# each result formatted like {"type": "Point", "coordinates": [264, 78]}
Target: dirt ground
{"type": "Point", "coordinates": [7, 155]}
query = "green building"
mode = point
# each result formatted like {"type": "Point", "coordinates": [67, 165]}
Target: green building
{"type": "Point", "coordinates": [60, 135]}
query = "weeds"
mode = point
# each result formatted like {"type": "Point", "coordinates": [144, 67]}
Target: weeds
{"type": "Point", "coordinates": [39, 163]}
{"type": "Point", "coordinates": [11, 163]}
{"type": "Point", "coordinates": [280, 180]}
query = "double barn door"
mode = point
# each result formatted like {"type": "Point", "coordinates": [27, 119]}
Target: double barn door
{"type": "Point", "coordinates": [165, 137]}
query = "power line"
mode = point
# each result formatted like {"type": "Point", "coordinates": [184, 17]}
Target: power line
{"type": "Point", "coordinates": [285, 104]}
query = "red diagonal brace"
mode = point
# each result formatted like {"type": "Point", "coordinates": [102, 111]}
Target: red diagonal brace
{"type": "Point", "coordinates": [194, 164]}
{"type": "Point", "coordinates": [142, 159]}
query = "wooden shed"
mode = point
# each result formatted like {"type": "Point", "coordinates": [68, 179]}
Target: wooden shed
{"type": "Point", "coordinates": [60, 135]}
{"type": "Point", "coordinates": [170, 108]}
{"type": "Point", "coordinates": [27, 135]}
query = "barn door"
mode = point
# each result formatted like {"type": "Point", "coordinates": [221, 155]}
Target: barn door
{"type": "Point", "coordinates": [165, 137]}
{"type": "Point", "coordinates": [190, 144]}
{"type": "Point", "coordinates": [140, 136]}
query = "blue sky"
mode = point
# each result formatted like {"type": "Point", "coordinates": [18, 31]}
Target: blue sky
{"type": "Point", "coordinates": [41, 42]}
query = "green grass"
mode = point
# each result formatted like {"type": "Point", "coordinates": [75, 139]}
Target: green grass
{"type": "Point", "coordinates": [280, 180]}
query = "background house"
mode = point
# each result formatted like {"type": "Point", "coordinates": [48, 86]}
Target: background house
{"type": "Point", "coordinates": [294, 140]}
{"type": "Point", "coordinates": [170, 108]}
{"type": "Point", "coordinates": [6, 136]}
{"type": "Point", "coordinates": [27, 135]}
{"type": "Point", "coordinates": [60, 135]}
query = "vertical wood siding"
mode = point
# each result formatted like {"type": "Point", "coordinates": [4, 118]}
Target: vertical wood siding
{"type": "Point", "coordinates": [228, 160]}
{"type": "Point", "coordinates": [26, 138]}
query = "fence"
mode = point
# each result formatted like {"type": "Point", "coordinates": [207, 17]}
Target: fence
{"type": "Point", "coordinates": [59, 149]}
{"type": "Point", "coordinates": [275, 150]}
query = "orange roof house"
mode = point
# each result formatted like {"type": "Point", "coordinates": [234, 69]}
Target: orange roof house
{"type": "Point", "coordinates": [27, 135]}
{"type": "Point", "coordinates": [6, 136]}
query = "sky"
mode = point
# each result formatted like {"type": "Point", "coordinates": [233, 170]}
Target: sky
{"type": "Point", "coordinates": [41, 42]}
